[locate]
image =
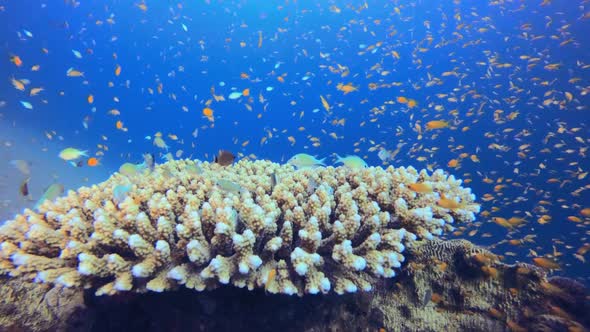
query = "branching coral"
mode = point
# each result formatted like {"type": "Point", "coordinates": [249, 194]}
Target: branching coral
{"type": "Point", "coordinates": [253, 224]}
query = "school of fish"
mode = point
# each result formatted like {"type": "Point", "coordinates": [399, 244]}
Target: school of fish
{"type": "Point", "coordinates": [496, 92]}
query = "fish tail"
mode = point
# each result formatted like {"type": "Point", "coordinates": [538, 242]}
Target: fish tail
{"type": "Point", "coordinates": [338, 158]}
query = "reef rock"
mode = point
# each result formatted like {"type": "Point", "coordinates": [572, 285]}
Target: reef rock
{"type": "Point", "coordinates": [447, 285]}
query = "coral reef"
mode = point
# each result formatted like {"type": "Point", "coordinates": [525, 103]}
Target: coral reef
{"type": "Point", "coordinates": [444, 287]}
{"type": "Point", "coordinates": [253, 224]}
{"type": "Point", "coordinates": [27, 306]}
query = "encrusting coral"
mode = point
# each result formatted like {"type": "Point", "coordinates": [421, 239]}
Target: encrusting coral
{"type": "Point", "coordinates": [254, 224]}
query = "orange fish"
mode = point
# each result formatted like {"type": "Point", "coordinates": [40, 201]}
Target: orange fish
{"type": "Point", "coordinates": [502, 222]}
{"type": "Point", "coordinates": [90, 99]}
{"type": "Point", "coordinates": [453, 163]}
{"type": "Point", "coordinates": [35, 91]}
{"type": "Point", "coordinates": [270, 278]}
{"type": "Point", "coordinates": [119, 124]}
{"type": "Point", "coordinates": [402, 100]}
{"type": "Point", "coordinates": [74, 73]}
{"type": "Point", "coordinates": [208, 113]}
{"type": "Point", "coordinates": [16, 60]}
{"type": "Point", "coordinates": [348, 88]}
{"type": "Point", "coordinates": [436, 124]}
{"type": "Point", "coordinates": [118, 70]}
{"type": "Point", "coordinates": [490, 271]}
{"type": "Point", "coordinates": [92, 161]}
{"type": "Point", "coordinates": [17, 84]}
{"type": "Point", "coordinates": [246, 92]}
{"type": "Point", "coordinates": [546, 263]}
{"type": "Point", "coordinates": [447, 203]}
{"type": "Point", "coordinates": [422, 188]}
{"type": "Point", "coordinates": [412, 103]}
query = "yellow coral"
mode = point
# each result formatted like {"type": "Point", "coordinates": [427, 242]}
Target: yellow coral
{"type": "Point", "coordinates": [314, 231]}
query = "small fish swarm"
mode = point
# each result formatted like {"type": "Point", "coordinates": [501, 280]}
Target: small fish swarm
{"type": "Point", "coordinates": [286, 231]}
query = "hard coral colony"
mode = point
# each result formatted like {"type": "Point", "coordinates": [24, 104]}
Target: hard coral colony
{"type": "Point", "coordinates": [177, 227]}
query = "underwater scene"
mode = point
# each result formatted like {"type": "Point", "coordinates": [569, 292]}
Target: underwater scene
{"type": "Point", "coordinates": [303, 165]}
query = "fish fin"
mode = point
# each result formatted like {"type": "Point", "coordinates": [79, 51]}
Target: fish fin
{"type": "Point", "coordinates": [322, 161]}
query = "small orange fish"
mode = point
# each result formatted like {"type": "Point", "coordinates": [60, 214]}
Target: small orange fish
{"type": "Point", "coordinates": [74, 73]}
{"type": "Point", "coordinates": [246, 92]}
{"type": "Point", "coordinates": [546, 263]}
{"type": "Point", "coordinates": [422, 188]}
{"type": "Point", "coordinates": [270, 278]}
{"type": "Point", "coordinates": [348, 88]}
{"type": "Point", "coordinates": [483, 258]}
{"type": "Point", "coordinates": [402, 100]}
{"type": "Point", "coordinates": [35, 91]}
{"type": "Point", "coordinates": [90, 99]}
{"type": "Point", "coordinates": [490, 271]}
{"type": "Point", "coordinates": [17, 84]}
{"type": "Point", "coordinates": [118, 70]}
{"type": "Point", "coordinates": [208, 113]}
{"type": "Point", "coordinates": [119, 124]}
{"type": "Point", "coordinates": [502, 222]}
{"type": "Point", "coordinates": [436, 124]}
{"type": "Point", "coordinates": [447, 203]}
{"type": "Point", "coordinates": [412, 103]}
{"type": "Point", "coordinates": [495, 313]}
{"type": "Point", "coordinates": [436, 298]}
{"type": "Point", "coordinates": [92, 161]}
{"type": "Point", "coordinates": [453, 163]}
{"type": "Point", "coordinates": [16, 60]}
{"type": "Point", "coordinates": [515, 221]}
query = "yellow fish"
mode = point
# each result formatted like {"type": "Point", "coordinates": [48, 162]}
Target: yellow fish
{"type": "Point", "coordinates": [353, 162]}
{"type": "Point", "coordinates": [302, 160]}
{"type": "Point", "coordinates": [72, 154]}
{"type": "Point", "coordinates": [325, 103]}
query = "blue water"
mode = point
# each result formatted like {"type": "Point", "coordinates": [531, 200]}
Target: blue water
{"type": "Point", "coordinates": [306, 38]}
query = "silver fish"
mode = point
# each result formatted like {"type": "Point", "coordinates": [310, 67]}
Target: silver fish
{"type": "Point", "coordinates": [229, 186]}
